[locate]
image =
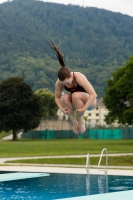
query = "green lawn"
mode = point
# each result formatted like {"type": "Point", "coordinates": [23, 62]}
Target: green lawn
{"type": "Point", "coordinates": [112, 161]}
{"type": "Point", "coordinates": [62, 147]}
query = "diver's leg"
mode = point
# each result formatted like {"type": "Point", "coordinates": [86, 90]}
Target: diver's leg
{"type": "Point", "coordinates": [66, 101]}
{"type": "Point", "coordinates": [78, 101]}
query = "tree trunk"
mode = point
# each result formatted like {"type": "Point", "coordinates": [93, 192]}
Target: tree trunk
{"type": "Point", "coordinates": [14, 135]}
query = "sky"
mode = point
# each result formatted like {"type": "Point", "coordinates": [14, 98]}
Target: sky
{"type": "Point", "coordinates": [122, 6]}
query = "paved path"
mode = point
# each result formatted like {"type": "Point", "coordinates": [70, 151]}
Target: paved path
{"type": "Point", "coordinates": [9, 137]}
{"type": "Point", "coordinates": [74, 169]}
{"type": "Point", "coordinates": [2, 160]}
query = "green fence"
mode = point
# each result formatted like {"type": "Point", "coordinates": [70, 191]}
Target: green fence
{"type": "Point", "coordinates": [105, 134]}
{"type": "Point", "coordinates": [126, 133]}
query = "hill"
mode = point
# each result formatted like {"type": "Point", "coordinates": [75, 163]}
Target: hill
{"type": "Point", "coordinates": [94, 41]}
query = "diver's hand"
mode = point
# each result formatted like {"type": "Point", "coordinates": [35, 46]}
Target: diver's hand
{"type": "Point", "coordinates": [80, 112]}
{"type": "Point", "coordinates": [66, 111]}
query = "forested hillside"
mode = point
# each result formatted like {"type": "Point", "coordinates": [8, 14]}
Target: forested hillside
{"type": "Point", "coordinates": [93, 41]}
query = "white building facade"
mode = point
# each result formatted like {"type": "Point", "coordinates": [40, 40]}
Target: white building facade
{"type": "Point", "coordinates": [94, 118]}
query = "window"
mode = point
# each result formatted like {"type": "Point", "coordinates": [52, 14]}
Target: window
{"type": "Point", "coordinates": [89, 114]}
{"type": "Point", "coordinates": [96, 108]}
{"type": "Point", "coordinates": [97, 114]}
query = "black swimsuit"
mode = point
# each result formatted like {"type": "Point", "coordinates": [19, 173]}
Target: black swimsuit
{"type": "Point", "coordinates": [78, 88]}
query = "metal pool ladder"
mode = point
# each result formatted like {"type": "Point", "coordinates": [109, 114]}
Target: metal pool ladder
{"type": "Point", "coordinates": [88, 164]}
{"type": "Point", "coordinates": [106, 170]}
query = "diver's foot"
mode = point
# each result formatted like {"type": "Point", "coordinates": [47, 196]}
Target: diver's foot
{"type": "Point", "coordinates": [76, 128]}
{"type": "Point", "coordinates": [81, 126]}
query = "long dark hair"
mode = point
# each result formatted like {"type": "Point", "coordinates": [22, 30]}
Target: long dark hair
{"type": "Point", "coordinates": [63, 72]}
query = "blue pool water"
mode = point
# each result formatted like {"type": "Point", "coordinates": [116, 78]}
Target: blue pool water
{"type": "Point", "coordinates": [57, 186]}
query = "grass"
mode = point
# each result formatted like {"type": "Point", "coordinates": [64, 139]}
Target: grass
{"type": "Point", "coordinates": [112, 161]}
{"type": "Point", "coordinates": [55, 147]}
{"type": "Point", "coordinates": [62, 147]}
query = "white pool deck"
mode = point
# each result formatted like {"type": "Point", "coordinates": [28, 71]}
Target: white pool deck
{"type": "Point", "coordinates": [123, 195]}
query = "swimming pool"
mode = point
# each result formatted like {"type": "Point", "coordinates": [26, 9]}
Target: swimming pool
{"type": "Point", "coordinates": [58, 186]}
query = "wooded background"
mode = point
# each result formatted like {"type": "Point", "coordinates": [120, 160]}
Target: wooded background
{"type": "Point", "coordinates": [94, 41]}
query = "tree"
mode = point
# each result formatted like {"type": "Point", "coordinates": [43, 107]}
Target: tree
{"type": "Point", "coordinates": [48, 101]}
{"type": "Point", "coordinates": [20, 108]}
{"type": "Point", "coordinates": [119, 95]}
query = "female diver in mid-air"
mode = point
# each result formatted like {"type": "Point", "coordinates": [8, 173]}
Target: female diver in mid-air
{"type": "Point", "coordinates": [82, 95]}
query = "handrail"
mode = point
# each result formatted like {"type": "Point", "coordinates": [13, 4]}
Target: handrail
{"type": "Point", "coordinates": [106, 161]}
{"type": "Point", "coordinates": [88, 164]}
